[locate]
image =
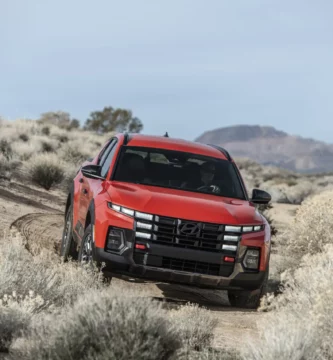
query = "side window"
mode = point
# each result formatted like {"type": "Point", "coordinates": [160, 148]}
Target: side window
{"type": "Point", "coordinates": [108, 159]}
{"type": "Point", "coordinates": [105, 152]}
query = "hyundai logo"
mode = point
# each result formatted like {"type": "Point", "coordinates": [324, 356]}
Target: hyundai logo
{"type": "Point", "coordinates": [190, 229]}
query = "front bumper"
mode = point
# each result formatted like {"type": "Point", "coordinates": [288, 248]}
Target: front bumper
{"type": "Point", "coordinates": [150, 264]}
{"type": "Point", "coordinates": [124, 265]}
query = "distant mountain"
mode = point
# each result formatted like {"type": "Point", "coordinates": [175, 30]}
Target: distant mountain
{"type": "Point", "coordinates": [269, 146]}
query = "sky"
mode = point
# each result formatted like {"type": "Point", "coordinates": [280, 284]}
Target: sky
{"type": "Point", "coordinates": [182, 66]}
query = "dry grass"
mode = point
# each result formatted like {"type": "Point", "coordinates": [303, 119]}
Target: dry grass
{"type": "Point", "coordinates": [25, 143]}
{"type": "Point", "coordinates": [102, 326]}
{"type": "Point", "coordinates": [52, 310]}
{"type": "Point", "coordinates": [312, 228]}
{"type": "Point", "coordinates": [23, 139]}
{"type": "Point", "coordinates": [56, 283]}
{"type": "Point", "coordinates": [299, 325]}
{"type": "Point", "coordinates": [46, 170]}
{"type": "Point", "coordinates": [194, 325]}
{"type": "Point", "coordinates": [284, 186]}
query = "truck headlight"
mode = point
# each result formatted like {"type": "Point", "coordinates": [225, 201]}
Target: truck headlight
{"type": "Point", "coordinates": [130, 212]}
{"type": "Point", "coordinates": [251, 259]}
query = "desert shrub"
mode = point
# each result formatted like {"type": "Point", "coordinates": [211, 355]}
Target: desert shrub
{"type": "Point", "coordinates": [11, 322]}
{"type": "Point", "coordinates": [76, 316]}
{"type": "Point", "coordinates": [30, 285]}
{"type": "Point", "coordinates": [16, 312]}
{"type": "Point", "coordinates": [24, 137]}
{"type": "Point", "coordinates": [45, 130]}
{"type": "Point", "coordinates": [283, 335]}
{"type": "Point", "coordinates": [298, 193]}
{"type": "Point", "coordinates": [312, 228]}
{"type": "Point", "coordinates": [44, 143]}
{"type": "Point", "coordinates": [263, 209]}
{"type": "Point", "coordinates": [5, 168]}
{"type": "Point", "coordinates": [300, 327]}
{"type": "Point", "coordinates": [103, 326]}
{"type": "Point", "coordinates": [56, 283]}
{"type": "Point", "coordinates": [283, 193]}
{"type": "Point", "coordinates": [6, 149]}
{"type": "Point", "coordinates": [213, 354]}
{"type": "Point", "coordinates": [291, 182]}
{"type": "Point", "coordinates": [29, 127]}
{"type": "Point", "coordinates": [70, 173]}
{"type": "Point", "coordinates": [47, 147]}
{"type": "Point", "coordinates": [62, 138]}
{"type": "Point", "coordinates": [194, 325]}
{"type": "Point", "coordinates": [74, 153]}
{"type": "Point", "coordinates": [46, 170]}
{"type": "Point", "coordinates": [24, 151]}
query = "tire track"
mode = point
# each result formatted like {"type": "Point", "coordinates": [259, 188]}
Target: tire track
{"type": "Point", "coordinates": [19, 199]}
{"type": "Point", "coordinates": [40, 230]}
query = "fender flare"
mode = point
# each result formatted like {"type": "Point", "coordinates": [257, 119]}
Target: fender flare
{"type": "Point", "coordinates": [90, 214]}
{"type": "Point", "coordinates": [70, 197]}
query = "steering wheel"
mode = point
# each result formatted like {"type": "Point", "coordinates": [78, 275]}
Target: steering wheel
{"type": "Point", "coordinates": [211, 188]}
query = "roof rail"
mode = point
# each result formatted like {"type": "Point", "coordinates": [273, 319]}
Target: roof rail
{"type": "Point", "coordinates": [223, 151]}
{"type": "Point", "coordinates": [126, 138]}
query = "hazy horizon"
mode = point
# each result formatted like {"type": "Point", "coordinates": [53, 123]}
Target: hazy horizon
{"type": "Point", "coordinates": [185, 67]}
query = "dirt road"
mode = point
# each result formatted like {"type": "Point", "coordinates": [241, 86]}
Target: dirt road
{"type": "Point", "coordinates": [37, 216]}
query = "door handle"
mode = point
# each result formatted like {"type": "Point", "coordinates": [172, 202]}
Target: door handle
{"type": "Point", "coordinates": [85, 191]}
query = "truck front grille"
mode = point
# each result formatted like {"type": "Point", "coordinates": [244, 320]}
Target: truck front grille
{"type": "Point", "coordinates": [189, 234]}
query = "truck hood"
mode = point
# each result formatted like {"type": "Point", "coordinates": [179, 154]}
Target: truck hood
{"type": "Point", "coordinates": [183, 204]}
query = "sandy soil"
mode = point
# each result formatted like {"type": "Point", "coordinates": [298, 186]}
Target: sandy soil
{"type": "Point", "coordinates": [38, 216]}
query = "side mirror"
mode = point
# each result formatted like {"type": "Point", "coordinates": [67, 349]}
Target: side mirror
{"type": "Point", "coordinates": [260, 197]}
{"type": "Point", "coordinates": [92, 172]}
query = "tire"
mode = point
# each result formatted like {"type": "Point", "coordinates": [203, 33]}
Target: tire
{"type": "Point", "coordinates": [86, 256]}
{"type": "Point", "coordinates": [68, 245]}
{"type": "Point", "coordinates": [248, 299]}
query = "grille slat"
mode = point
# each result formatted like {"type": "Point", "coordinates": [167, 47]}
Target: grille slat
{"type": "Point", "coordinates": [190, 266]}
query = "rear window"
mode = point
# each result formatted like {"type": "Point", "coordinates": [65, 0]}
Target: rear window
{"type": "Point", "coordinates": [178, 170]}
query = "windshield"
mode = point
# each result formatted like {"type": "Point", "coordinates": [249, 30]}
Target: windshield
{"type": "Point", "coordinates": [178, 170]}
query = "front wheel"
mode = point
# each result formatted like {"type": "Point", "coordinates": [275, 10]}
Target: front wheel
{"type": "Point", "coordinates": [86, 257]}
{"type": "Point", "coordinates": [68, 245]}
{"type": "Point", "coordinates": [248, 299]}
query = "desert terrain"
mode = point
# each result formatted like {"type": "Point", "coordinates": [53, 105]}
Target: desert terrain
{"type": "Point", "coordinates": [31, 225]}
{"type": "Point", "coordinates": [37, 216]}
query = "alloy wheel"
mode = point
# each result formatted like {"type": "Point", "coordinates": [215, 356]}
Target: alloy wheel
{"type": "Point", "coordinates": [87, 256]}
